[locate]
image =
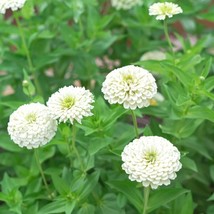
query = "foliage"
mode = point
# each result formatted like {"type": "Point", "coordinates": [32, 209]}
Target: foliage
{"type": "Point", "coordinates": [79, 42]}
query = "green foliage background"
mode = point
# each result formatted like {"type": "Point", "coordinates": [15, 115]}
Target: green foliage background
{"type": "Point", "coordinates": [65, 39]}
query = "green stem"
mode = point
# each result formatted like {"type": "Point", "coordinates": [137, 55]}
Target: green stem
{"type": "Point", "coordinates": [74, 147]}
{"type": "Point", "coordinates": [135, 123]}
{"type": "Point", "coordinates": [69, 152]}
{"type": "Point", "coordinates": [29, 60]}
{"type": "Point", "coordinates": [41, 171]}
{"type": "Point", "coordinates": [167, 36]}
{"type": "Point", "coordinates": [146, 199]}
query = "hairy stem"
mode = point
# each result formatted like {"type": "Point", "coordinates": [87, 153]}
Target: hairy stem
{"type": "Point", "coordinates": [29, 60]}
{"type": "Point", "coordinates": [167, 36]}
{"type": "Point", "coordinates": [69, 152]}
{"type": "Point", "coordinates": [146, 199]}
{"type": "Point", "coordinates": [41, 171]}
{"type": "Point", "coordinates": [134, 119]}
{"type": "Point", "coordinates": [74, 147]}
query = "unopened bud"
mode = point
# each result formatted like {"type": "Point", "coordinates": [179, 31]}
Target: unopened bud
{"type": "Point", "coordinates": [25, 83]}
{"type": "Point", "coordinates": [202, 78]}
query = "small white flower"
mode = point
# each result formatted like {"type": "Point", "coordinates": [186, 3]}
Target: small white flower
{"type": "Point", "coordinates": [158, 98]}
{"type": "Point", "coordinates": [152, 160]}
{"type": "Point", "coordinates": [162, 10]}
{"type": "Point", "coordinates": [125, 4]}
{"type": "Point", "coordinates": [153, 55]}
{"type": "Point", "coordinates": [31, 126]}
{"type": "Point", "coordinates": [131, 86]}
{"type": "Point", "coordinates": [11, 4]}
{"type": "Point", "coordinates": [71, 103]}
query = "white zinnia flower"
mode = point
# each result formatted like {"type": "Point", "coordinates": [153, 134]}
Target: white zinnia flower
{"type": "Point", "coordinates": [131, 86]}
{"type": "Point", "coordinates": [71, 103]}
{"type": "Point", "coordinates": [161, 10]}
{"type": "Point", "coordinates": [31, 125]}
{"type": "Point", "coordinates": [152, 160]}
{"type": "Point", "coordinates": [153, 55]}
{"type": "Point", "coordinates": [11, 4]}
{"type": "Point", "coordinates": [158, 98]}
{"type": "Point", "coordinates": [125, 4]}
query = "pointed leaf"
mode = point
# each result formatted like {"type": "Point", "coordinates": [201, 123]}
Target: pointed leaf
{"type": "Point", "coordinates": [163, 196]}
{"type": "Point", "coordinates": [129, 189]}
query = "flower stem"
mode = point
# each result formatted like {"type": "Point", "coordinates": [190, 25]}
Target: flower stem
{"type": "Point", "coordinates": [74, 147]}
{"type": "Point", "coordinates": [135, 123]}
{"type": "Point", "coordinates": [41, 172]}
{"type": "Point", "coordinates": [146, 199]}
{"type": "Point", "coordinates": [29, 60]}
{"type": "Point", "coordinates": [167, 36]}
{"type": "Point", "coordinates": [69, 152]}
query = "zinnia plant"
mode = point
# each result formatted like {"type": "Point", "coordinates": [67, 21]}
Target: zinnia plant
{"type": "Point", "coordinates": [106, 107]}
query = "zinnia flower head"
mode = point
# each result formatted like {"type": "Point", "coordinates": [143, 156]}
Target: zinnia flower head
{"type": "Point", "coordinates": [11, 4]}
{"type": "Point", "coordinates": [125, 4]}
{"type": "Point", "coordinates": [153, 55]}
{"type": "Point", "coordinates": [152, 160]}
{"type": "Point", "coordinates": [31, 126]}
{"type": "Point", "coordinates": [162, 10]}
{"type": "Point", "coordinates": [71, 103]}
{"type": "Point", "coordinates": [158, 98]}
{"type": "Point", "coordinates": [131, 86]}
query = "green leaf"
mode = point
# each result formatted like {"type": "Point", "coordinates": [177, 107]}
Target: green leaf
{"type": "Point", "coordinates": [56, 207]}
{"type": "Point", "coordinates": [211, 198]}
{"type": "Point", "coordinates": [60, 185]}
{"type": "Point", "coordinates": [208, 15]}
{"type": "Point", "coordinates": [188, 61]}
{"type": "Point", "coordinates": [86, 209]}
{"type": "Point", "coordinates": [33, 209]}
{"type": "Point", "coordinates": [70, 205]}
{"type": "Point", "coordinates": [129, 189]}
{"type": "Point", "coordinates": [212, 172]}
{"type": "Point", "coordinates": [89, 185]}
{"type": "Point", "coordinates": [182, 128]}
{"type": "Point", "coordinates": [210, 209]}
{"type": "Point", "coordinates": [76, 7]}
{"type": "Point", "coordinates": [183, 204]}
{"type": "Point", "coordinates": [28, 9]}
{"type": "Point", "coordinates": [8, 145]}
{"type": "Point", "coordinates": [200, 112]}
{"type": "Point", "coordinates": [46, 153]}
{"type": "Point", "coordinates": [194, 144]}
{"type": "Point", "coordinates": [96, 144]}
{"type": "Point", "coordinates": [163, 196]}
{"type": "Point", "coordinates": [28, 87]}
{"type": "Point", "coordinates": [185, 78]}
{"type": "Point", "coordinates": [4, 197]}
{"type": "Point", "coordinates": [108, 204]}
{"type": "Point", "coordinates": [209, 83]}
{"type": "Point", "coordinates": [147, 131]}
{"type": "Point", "coordinates": [207, 67]}
{"type": "Point", "coordinates": [188, 163]}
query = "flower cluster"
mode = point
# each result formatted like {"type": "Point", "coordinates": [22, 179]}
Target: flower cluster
{"type": "Point", "coordinates": [125, 4]}
{"type": "Point", "coordinates": [152, 160]}
{"type": "Point", "coordinates": [162, 10]}
{"type": "Point", "coordinates": [11, 4]}
{"type": "Point", "coordinates": [131, 86]}
{"type": "Point", "coordinates": [31, 125]}
{"type": "Point", "coordinates": [71, 103]}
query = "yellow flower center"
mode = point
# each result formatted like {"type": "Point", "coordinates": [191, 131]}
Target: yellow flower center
{"type": "Point", "coordinates": [166, 10]}
{"type": "Point", "coordinates": [151, 156]}
{"type": "Point", "coordinates": [153, 102]}
{"type": "Point", "coordinates": [68, 102]}
{"type": "Point", "coordinates": [128, 79]}
{"type": "Point", "coordinates": [31, 118]}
